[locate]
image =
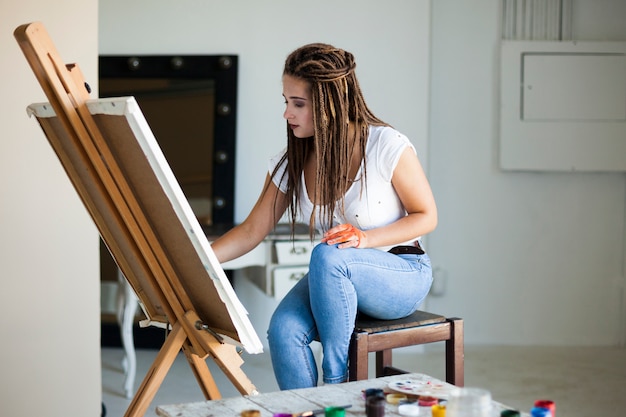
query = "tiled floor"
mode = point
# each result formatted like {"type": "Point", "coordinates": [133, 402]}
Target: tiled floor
{"type": "Point", "coordinates": [583, 381]}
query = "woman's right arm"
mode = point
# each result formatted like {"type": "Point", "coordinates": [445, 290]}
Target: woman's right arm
{"type": "Point", "coordinates": [263, 217]}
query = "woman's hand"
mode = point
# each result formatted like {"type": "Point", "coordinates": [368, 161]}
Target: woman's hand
{"type": "Point", "coordinates": [347, 236]}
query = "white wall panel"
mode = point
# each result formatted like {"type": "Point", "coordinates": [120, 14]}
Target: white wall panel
{"type": "Point", "coordinates": [563, 106]}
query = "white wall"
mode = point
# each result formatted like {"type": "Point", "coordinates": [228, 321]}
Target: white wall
{"type": "Point", "coordinates": [525, 257]}
{"type": "Point", "coordinates": [49, 303]}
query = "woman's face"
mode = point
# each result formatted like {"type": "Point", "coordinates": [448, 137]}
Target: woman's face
{"type": "Point", "coordinates": [298, 106]}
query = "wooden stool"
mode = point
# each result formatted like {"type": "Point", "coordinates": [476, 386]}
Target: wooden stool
{"type": "Point", "coordinates": [381, 336]}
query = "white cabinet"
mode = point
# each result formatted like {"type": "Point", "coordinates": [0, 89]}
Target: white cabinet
{"type": "Point", "coordinates": [286, 261]}
{"type": "Point", "coordinates": [285, 277]}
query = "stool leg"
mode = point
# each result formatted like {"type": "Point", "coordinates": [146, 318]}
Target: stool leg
{"type": "Point", "coordinates": [358, 366]}
{"type": "Point", "coordinates": [455, 354]}
{"type": "Point", "coordinates": [383, 362]}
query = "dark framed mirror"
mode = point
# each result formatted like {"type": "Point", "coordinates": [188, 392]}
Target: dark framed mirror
{"type": "Point", "coordinates": [190, 103]}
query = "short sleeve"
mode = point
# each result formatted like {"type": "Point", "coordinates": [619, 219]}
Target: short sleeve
{"type": "Point", "coordinates": [390, 146]}
{"type": "Point", "coordinates": [280, 177]}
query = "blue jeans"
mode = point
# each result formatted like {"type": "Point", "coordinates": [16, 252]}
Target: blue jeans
{"type": "Point", "coordinates": [324, 303]}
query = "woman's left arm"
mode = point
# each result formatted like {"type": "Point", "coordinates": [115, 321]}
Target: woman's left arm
{"type": "Point", "coordinates": [413, 189]}
{"type": "Point", "coordinates": [410, 182]}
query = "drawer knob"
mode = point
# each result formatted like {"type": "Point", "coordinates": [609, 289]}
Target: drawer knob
{"type": "Point", "coordinates": [298, 250]}
{"type": "Point", "coordinates": [296, 277]}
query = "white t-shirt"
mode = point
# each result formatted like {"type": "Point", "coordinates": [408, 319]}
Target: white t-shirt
{"type": "Point", "coordinates": [377, 204]}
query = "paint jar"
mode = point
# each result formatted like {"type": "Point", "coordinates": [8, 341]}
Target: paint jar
{"type": "Point", "coordinates": [425, 404]}
{"type": "Point", "coordinates": [375, 406]}
{"type": "Point", "coordinates": [395, 399]}
{"type": "Point", "coordinates": [438, 410]}
{"type": "Point", "coordinates": [424, 401]}
{"type": "Point", "coordinates": [334, 412]}
{"type": "Point", "coordinates": [549, 404]}
{"type": "Point", "coordinates": [540, 412]}
{"type": "Point", "coordinates": [510, 413]}
{"type": "Point", "coordinates": [409, 409]}
{"type": "Point", "coordinates": [250, 413]}
{"type": "Point", "coordinates": [469, 402]}
{"type": "Point", "coordinates": [373, 392]}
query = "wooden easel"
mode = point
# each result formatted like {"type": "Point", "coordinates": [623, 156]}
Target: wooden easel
{"type": "Point", "coordinates": [131, 234]}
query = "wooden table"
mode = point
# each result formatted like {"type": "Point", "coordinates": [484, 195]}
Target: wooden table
{"type": "Point", "coordinates": [300, 400]}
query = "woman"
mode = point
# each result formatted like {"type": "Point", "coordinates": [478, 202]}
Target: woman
{"type": "Point", "coordinates": [360, 185]}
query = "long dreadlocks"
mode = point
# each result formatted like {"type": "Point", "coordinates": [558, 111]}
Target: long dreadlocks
{"type": "Point", "coordinates": [337, 100]}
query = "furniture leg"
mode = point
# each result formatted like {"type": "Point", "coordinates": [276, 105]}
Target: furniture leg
{"type": "Point", "coordinates": [126, 310]}
{"type": "Point", "coordinates": [383, 362]}
{"type": "Point", "coordinates": [203, 375]}
{"type": "Point", "coordinates": [358, 369]}
{"type": "Point", "coordinates": [156, 374]}
{"type": "Point", "coordinates": [455, 357]}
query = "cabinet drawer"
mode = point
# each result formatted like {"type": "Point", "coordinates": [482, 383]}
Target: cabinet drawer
{"type": "Point", "coordinates": [285, 278]}
{"type": "Point", "coordinates": [290, 253]}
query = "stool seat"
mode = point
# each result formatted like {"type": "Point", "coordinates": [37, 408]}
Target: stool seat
{"type": "Point", "coordinates": [421, 327]}
{"type": "Point", "coordinates": [365, 323]}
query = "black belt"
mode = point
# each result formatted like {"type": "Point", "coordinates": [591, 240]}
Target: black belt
{"type": "Point", "coordinates": [404, 250]}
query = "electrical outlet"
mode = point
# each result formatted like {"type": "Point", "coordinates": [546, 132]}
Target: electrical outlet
{"type": "Point", "coordinates": [440, 279]}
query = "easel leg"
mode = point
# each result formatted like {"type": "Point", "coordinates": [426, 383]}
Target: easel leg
{"type": "Point", "coordinates": [226, 357]}
{"type": "Point", "coordinates": [203, 375]}
{"type": "Point", "coordinates": [223, 354]}
{"type": "Point", "coordinates": [155, 376]}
